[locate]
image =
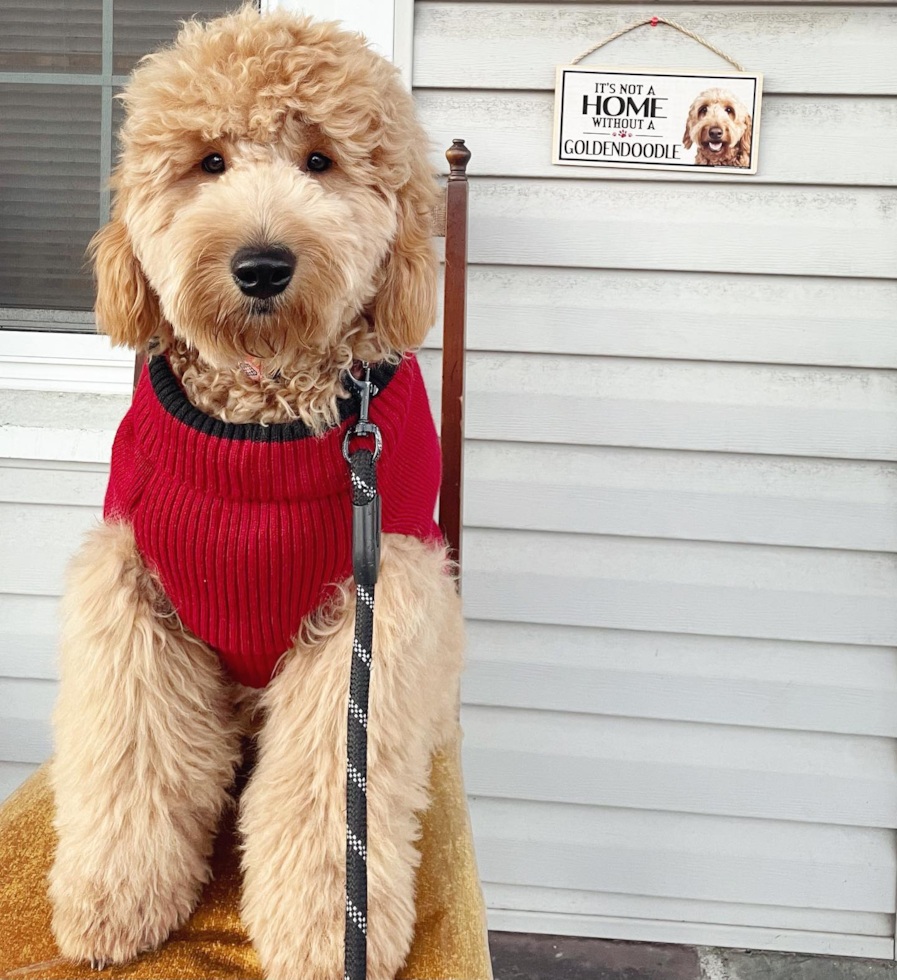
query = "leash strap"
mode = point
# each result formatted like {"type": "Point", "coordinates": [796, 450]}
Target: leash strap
{"type": "Point", "coordinates": [365, 566]}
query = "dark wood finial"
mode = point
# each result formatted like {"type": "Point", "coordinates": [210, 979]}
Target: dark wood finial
{"type": "Point", "coordinates": [458, 157]}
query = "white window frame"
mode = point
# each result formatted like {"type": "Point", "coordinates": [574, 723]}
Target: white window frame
{"type": "Point", "coordinates": [105, 81]}
{"type": "Point", "coordinates": [31, 358]}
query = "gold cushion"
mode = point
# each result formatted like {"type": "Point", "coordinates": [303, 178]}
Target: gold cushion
{"type": "Point", "coordinates": [449, 942]}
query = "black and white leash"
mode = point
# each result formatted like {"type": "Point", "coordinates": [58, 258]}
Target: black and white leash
{"type": "Point", "coordinates": [365, 566]}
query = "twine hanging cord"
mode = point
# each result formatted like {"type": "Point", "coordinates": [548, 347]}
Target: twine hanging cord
{"type": "Point", "coordinates": [654, 21]}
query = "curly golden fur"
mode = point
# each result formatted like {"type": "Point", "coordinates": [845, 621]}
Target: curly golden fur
{"type": "Point", "coordinates": [720, 126]}
{"type": "Point", "coordinates": [148, 724]}
{"type": "Point", "coordinates": [265, 93]}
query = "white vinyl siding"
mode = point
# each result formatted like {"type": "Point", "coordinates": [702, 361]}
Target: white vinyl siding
{"type": "Point", "coordinates": [681, 550]}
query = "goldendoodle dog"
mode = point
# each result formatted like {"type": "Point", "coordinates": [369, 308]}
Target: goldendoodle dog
{"type": "Point", "coordinates": [271, 229]}
{"type": "Point", "coordinates": [720, 126]}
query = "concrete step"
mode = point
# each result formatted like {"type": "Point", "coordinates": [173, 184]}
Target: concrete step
{"type": "Point", "coordinates": [516, 956]}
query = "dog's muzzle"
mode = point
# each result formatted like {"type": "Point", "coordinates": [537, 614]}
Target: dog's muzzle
{"type": "Point", "coordinates": [715, 140]}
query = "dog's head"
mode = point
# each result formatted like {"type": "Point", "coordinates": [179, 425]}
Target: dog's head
{"type": "Point", "coordinates": [719, 124]}
{"type": "Point", "coordinates": [273, 188]}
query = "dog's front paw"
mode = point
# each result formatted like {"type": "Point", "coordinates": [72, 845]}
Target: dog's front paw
{"type": "Point", "coordinates": [302, 937]}
{"type": "Point", "coordinates": [310, 949]}
{"type": "Point", "coordinates": [112, 922]}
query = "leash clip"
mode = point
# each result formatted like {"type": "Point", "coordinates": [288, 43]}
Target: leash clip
{"type": "Point", "coordinates": [365, 499]}
{"type": "Point", "coordinates": [366, 390]}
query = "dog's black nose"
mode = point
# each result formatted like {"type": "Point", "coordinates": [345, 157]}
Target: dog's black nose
{"type": "Point", "coordinates": [263, 272]}
{"type": "Point", "coordinates": [716, 134]}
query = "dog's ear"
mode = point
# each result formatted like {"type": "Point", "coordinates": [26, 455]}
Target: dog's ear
{"type": "Point", "coordinates": [686, 139]}
{"type": "Point", "coordinates": [126, 306]}
{"type": "Point", "coordinates": [745, 143]}
{"type": "Point", "coordinates": [404, 308]}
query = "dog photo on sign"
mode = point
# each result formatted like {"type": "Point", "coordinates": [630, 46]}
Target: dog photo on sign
{"type": "Point", "coordinates": [720, 129]}
{"type": "Point", "coordinates": [662, 120]}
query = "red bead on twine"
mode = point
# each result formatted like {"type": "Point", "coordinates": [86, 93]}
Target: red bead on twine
{"type": "Point", "coordinates": [654, 22]}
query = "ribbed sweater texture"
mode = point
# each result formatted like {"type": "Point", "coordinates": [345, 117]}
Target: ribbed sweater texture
{"type": "Point", "coordinates": [249, 527]}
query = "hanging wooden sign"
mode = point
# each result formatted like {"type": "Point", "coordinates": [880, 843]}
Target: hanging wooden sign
{"type": "Point", "coordinates": [654, 119]}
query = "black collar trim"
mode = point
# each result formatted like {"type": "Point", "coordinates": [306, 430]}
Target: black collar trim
{"type": "Point", "coordinates": [174, 400]}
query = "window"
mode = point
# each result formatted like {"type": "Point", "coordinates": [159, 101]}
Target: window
{"type": "Point", "coordinates": [61, 62]}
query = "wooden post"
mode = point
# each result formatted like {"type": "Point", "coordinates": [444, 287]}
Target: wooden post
{"type": "Point", "coordinates": [139, 361]}
{"type": "Point", "coordinates": [454, 329]}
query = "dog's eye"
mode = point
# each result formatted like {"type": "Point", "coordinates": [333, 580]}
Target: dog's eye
{"type": "Point", "coordinates": [702, 111]}
{"type": "Point", "coordinates": [318, 163]}
{"type": "Point", "coordinates": [730, 110]}
{"type": "Point", "coordinates": [213, 164]}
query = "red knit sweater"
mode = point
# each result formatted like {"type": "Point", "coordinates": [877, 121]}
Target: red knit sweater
{"type": "Point", "coordinates": [248, 526]}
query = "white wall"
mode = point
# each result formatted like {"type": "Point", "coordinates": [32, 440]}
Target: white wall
{"type": "Point", "coordinates": [682, 500]}
{"type": "Point", "coordinates": [61, 398]}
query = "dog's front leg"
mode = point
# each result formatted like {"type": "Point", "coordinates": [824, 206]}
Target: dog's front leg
{"type": "Point", "coordinates": [145, 751]}
{"type": "Point", "coordinates": [294, 812]}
